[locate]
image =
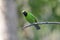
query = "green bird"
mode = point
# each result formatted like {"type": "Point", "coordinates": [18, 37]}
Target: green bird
{"type": "Point", "coordinates": [31, 18]}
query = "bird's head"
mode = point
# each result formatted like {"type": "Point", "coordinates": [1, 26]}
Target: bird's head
{"type": "Point", "coordinates": [24, 13]}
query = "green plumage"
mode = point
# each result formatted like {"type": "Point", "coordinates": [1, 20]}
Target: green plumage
{"type": "Point", "coordinates": [31, 18]}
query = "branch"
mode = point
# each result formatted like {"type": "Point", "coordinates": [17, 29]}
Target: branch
{"type": "Point", "coordinates": [40, 24]}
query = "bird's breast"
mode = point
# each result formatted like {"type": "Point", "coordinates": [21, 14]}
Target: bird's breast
{"type": "Point", "coordinates": [30, 19]}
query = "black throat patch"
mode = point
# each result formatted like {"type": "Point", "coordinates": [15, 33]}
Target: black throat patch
{"type": "Point", "coordinates": [25, 13]}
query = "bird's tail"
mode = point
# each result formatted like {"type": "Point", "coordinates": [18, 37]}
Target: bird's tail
{"type": "Point", "coordinates": [37, 26]}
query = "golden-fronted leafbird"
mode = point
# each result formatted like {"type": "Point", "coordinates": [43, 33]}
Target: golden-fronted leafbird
{"type": "Point", "coordinates": [31, 18]}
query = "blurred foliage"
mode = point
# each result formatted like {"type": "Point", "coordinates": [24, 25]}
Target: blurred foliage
{"type": "Point", "coordinates": [44, 10]}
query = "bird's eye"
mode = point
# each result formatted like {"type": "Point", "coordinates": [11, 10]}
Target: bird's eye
{"type": "Point", "coordinates": [25, 13]}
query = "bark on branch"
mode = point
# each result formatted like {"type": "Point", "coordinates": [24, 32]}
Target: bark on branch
{"type": "Point", "coordinates": [40, 24]}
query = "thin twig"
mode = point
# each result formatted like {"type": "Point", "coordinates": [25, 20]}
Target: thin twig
{"type": "Point", "coordinates": [40, 23]}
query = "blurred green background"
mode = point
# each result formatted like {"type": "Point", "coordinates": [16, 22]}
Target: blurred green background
{"type": "Point", "coordinates": [45, 11]}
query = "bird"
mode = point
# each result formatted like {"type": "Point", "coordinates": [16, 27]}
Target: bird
{"type": "Point", "coordinates": [30, 18]}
